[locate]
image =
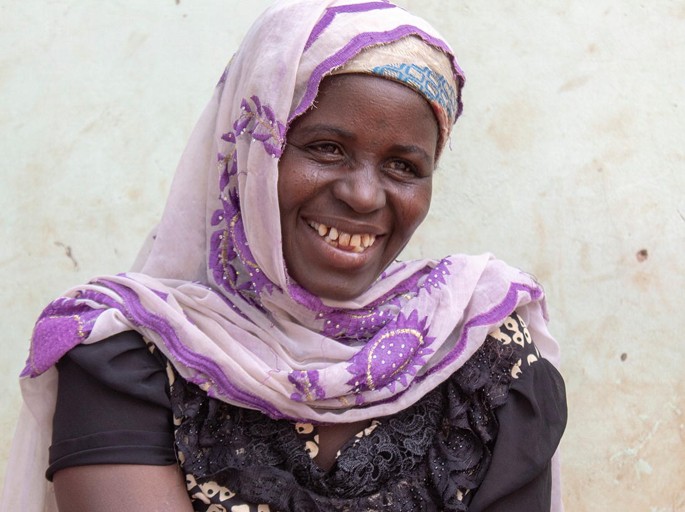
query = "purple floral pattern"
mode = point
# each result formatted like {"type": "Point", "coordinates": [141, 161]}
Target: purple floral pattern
{"type": "Point", "coordinates": [65, 323]}
{"type": "Point", "coordinates": [436, 277]}
{"type": "Point", "coordinates": [231, 262]}
{"type": "Point", "coordinates": [392, 356]}
{"type": "Point", "coordinates": [350, 326]}
{"type": "Point", "coordinates": [260, 122]}
{"type": "Point", "coordinates": [233, 266]}
{"type": "Point", "coordinates": [307, 384]}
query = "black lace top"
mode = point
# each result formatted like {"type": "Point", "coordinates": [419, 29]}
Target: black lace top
{"type": "Point", "coordinates": [482, 440]}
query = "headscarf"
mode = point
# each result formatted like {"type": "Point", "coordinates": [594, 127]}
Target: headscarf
{"type": "Point", "coordinates": [211, 290]}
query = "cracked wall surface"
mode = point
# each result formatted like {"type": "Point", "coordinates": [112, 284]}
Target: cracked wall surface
{"type": "Point", "coordinates": [569, 162]}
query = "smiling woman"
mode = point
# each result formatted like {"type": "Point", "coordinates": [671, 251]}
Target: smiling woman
{"type": "Point", "coordinates": [268, 352]}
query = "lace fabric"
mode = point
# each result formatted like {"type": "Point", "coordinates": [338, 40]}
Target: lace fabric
{"type": "Point", "coordinates": [430, 456]}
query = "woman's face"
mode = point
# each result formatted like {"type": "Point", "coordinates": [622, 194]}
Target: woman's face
{"type": "Point", "coordinates": [354, 182]}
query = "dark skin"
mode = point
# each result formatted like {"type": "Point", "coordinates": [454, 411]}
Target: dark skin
{"type": "Point", "coordinates": [365, 175]}
{"type": "Point", "coordinates": [332, 438]}
{"type": "Point", "coordinates": [118, 487]}
{"type": "Point", "coordinates": [360, 162]}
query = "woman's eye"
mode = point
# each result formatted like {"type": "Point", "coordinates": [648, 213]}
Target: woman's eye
{"type": "Point", "coordinates": [402, 168]}
{"type": "Point", "coordinates": [326, 149]}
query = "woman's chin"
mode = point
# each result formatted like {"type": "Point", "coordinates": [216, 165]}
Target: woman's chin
{"type": "Point", "coordinates": [336, 288]}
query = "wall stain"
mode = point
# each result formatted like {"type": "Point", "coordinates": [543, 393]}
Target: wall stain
{"type": "Point", "coordinates": [68, 253]}
{"type": "Point", "coordinates": [134, 194]}
{"type": "Point", "coordinates": [613, 130]}
{"type": "Point", "coordinates": [511, 128]}
{"type": "Point", "coordinates": [618, 124]}
{"type": "Point", "coordinates": [679, 12]}
{"type": "Point", "coordinates": [643, 282]}
{"type": "Point", "coordinates": [574, 83]}
{"type": "Point", "coordinates": [633, 452]}
{"type": "Point", "coordinates": [135, 41]}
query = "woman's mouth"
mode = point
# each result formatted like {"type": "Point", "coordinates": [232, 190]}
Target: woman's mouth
{"type": "Point", "coordinates": [352, 242]}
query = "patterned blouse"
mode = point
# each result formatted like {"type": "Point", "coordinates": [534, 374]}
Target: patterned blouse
{"type": "Point", "coordinates": [482, 440]}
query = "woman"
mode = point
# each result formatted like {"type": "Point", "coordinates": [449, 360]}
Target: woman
{"type": "Point", "coordinates": [269, 353]}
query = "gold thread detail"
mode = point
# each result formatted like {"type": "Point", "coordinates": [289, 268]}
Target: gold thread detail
{"type": "Point", "coordinates": [369, 378]}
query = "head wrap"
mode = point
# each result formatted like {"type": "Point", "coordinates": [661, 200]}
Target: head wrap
{"type": "Point", "coordinates": [421, 67]}
{"type": "Point", "coordinates": [211, 290]}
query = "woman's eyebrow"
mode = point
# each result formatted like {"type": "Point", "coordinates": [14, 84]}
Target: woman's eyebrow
{"type": "Point", "coordinates": [413, 149]}
{"type": "Point", "coordinates": [323, 128]}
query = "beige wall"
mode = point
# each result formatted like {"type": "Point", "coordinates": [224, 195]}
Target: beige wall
{"type": "Point", "coordinates": [569, 162]}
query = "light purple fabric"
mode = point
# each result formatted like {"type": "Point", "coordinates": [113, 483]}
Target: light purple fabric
{"type": "Point", "coordinates": [331, 12]}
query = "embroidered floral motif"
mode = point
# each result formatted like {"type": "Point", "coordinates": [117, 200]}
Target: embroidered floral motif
{"type": "Point", "coordinates": [260, 122]}
{"type": "Point", "coordinates": [307, 384]}
{"type": "Point", "coordinates": [436, 278]}
{"type": "Point", "coordinates": [233, 267]}
{"type": "Point", "coordinates": [392, 356]}
{"type": "Point", "coordinates": [66, 322]}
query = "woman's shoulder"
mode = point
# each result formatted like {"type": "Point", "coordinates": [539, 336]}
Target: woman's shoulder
{"type": "Point", "coordinates": [109, 349]}
{"type": "Point", "coordinates": [112, 406]}
{"type": "Point", "coordinates": [125, 362]}
{"type": "Point", "coordinates": [514, 341]}
{"type": "Point", "coordinates": [506, 353]}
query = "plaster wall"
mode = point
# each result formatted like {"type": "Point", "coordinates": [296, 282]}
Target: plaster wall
{"type": "Point", "coordinates": [569, 162]}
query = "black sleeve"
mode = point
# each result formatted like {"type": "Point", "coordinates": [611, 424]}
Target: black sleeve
{"type": "Point", "coordinates": [532, 421]}
{"type": "Point", "coordinates": [112, 406]}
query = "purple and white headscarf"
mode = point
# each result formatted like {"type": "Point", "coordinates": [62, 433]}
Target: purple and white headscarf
{"type": "Point", "coordinates": [211, 290]}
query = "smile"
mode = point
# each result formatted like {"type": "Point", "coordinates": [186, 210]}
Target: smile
{"type": "Point", "coordinates": [353, 242]}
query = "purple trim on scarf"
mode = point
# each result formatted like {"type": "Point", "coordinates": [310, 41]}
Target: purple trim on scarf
{"type": "Point", "coordinates": [331, 12]}
{"type": "Point", "coordinates": [62, 325]}
{"type": "Point", "coordinates": [493, 317]}
{"type": "Point", "coordinates": [356, 325]}
{"type": "Point", "coordinates": [138, 314]}
{"type": "Point", "coordinates": [222, 78]}
{"type": "Point", "coordinates": [351, 49]}
{"type": "Point", "coordinates": [436, 279]}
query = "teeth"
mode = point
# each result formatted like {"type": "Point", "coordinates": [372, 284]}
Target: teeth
{"type": "Point", "coordinates": [355, 242]}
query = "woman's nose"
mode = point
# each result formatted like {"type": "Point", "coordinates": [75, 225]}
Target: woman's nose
{"type": "Point", "coordinates": [361, 188]}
